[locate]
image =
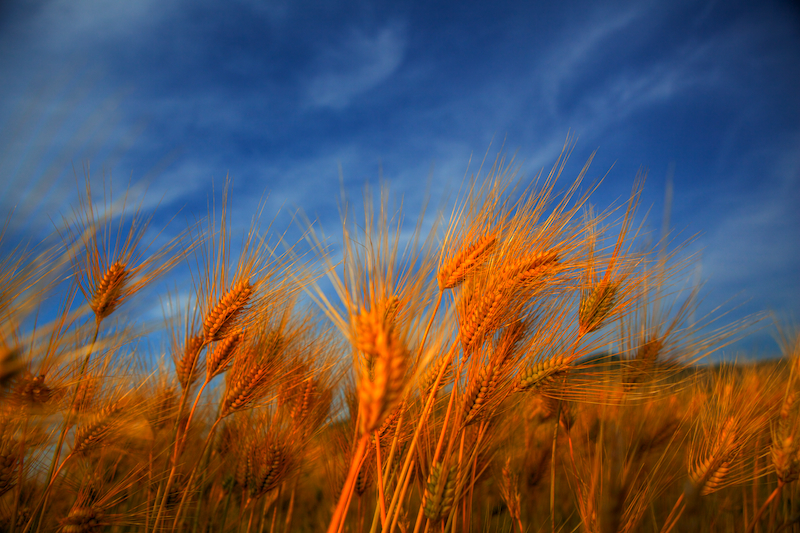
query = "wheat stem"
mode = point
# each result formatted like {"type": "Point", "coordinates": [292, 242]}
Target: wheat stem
{"type": "Point", "coordinates": [404, 473]}
{"type": "Point", "coordinates": [674, 514]}
{"type": "Point", "coordinates": [430, 322]}
{"type": "Point", "coordinates": [65, 428]}
{"type": "Point", "coordinates": [553, 471]}
{"type": "Point", "coordinates": [341, 507]}
{"type": "Point", "coordinates": [763, 508]}
{"type": "Point", "coordinates": [204, 454]}
{"type": "Point", "coordinates": [21, 477]}
{"type": "Point", "coordinates": [381, 497]}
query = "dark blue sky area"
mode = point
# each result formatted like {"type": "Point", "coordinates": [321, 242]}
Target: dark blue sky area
{"type": "Point", "coordinates": [179, 94]}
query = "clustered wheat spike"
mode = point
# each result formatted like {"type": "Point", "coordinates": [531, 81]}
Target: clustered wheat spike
{"type": "Point", "coordinates": [33, 391]}
{"type": "Point", "coordinates": [456, 270]}
{"type": "Point", "coordinates": [221, 355]}
{"type": "Point", "coordinates": [709, 473]}
{"type": "Point", "coordinates": [541, 373]}
{"type": "Point", "coordinates": [529, 270]}
{"type": "Point", "coordinates": [222, 317]}
{"type": "Point", "coordinates": [186, 367]}
{"type": "Point", "coordinates": [93, 434]}
{"type": "Point", "coordinates": [481, 317]}
{"type": "Point", "coordinates": [445, 357]}
{"type": "Point", "coordinates": [785, 449]}
{"type": "Point", "coordinates": [379, 390]}
{"type": "Point", "coordinates": [428, 379]}
{"type": "Point", "coordinates": [83, 520]}
{"type": "Point", "coordinates": [479, 392]}
{"type": "Point", "coordinates": [245, 387]}
{"type": "Point", "coordinates": [264, 466]}
{"type": "Point", "coordinates": [108, 293]}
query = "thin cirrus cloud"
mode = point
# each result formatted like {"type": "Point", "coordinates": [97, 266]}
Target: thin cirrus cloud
{"type": "Point", "coordinates": [360, 63]}
{"type": "Point", "coordinates": [289, 98]}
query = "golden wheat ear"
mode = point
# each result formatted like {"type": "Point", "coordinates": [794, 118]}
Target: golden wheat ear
{"type": "Point", "coordinates": [380, 389]}
{"type": "Point", "coordinates": [110, 261]}
{"type": "Point", "coordinates": [456, 270]}
{"type": "Point", "coordinates": [226, 314]}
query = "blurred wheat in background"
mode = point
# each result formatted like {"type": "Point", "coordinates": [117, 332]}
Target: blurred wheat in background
{"type": "Point", "coordinates": [531, 364]}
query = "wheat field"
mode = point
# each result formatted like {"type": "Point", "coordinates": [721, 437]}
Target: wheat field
{"type": "Point", "coordinates": [531, 363]}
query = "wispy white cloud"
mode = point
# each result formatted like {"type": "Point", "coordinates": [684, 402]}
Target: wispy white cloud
{"type": "Point", "coordinates": [359, 63]}
{"type": "Point", "coordinates": [67, 23]}
{"type": "Point", "coordinates": [752, 250]}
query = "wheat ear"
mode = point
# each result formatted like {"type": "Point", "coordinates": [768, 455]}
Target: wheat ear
{"type": "Point", "coordinates": [92, 435]}
{"type": "Point", "coordinates": [596, 304]}
{"type": "Point", "coordinates": [456, 270]}
{"type": "Point", "coordinates": [378, 393]}
{"type": "Point", "coordinates": [223, 316]}
{"type": "Point", "coordinates": [108, 293]}
{"type": "Point", "coordinates": [186, 366]}
{"type": "Point", "coordinates": [222, 354]}
{"type": "Point", "coordinates": [709, 473]}
{"type": "Point", "coordinates": [440, 492]}
{"type": "Point", "coordinates": [542, 373]}
{"type": "Point", "coordinates": [478, 394]}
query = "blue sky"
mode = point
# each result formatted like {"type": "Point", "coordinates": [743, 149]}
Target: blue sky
{"type": "Point", "coordinates": [279, 95]}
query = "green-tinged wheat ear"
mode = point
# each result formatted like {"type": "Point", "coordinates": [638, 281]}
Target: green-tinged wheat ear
{"type": "Point", "coordinates": [596, 304]}
{"type": "Point", "coordinates": [440, 492]}
{"type": "Point", "coordinates": [542, 373]}
{"type": "Point", "coordinates": [92, 435]}
{"type": "Point", "coordinates": [225, 314]}
{"type": "Point", "coordinates": [187, 366]}
{"type": "Point", "coordinates": [109, 291]}
{"type": "Point", "coordinates": [218, 358]}
{"type": "Point", "coordinates": [455, 271]}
